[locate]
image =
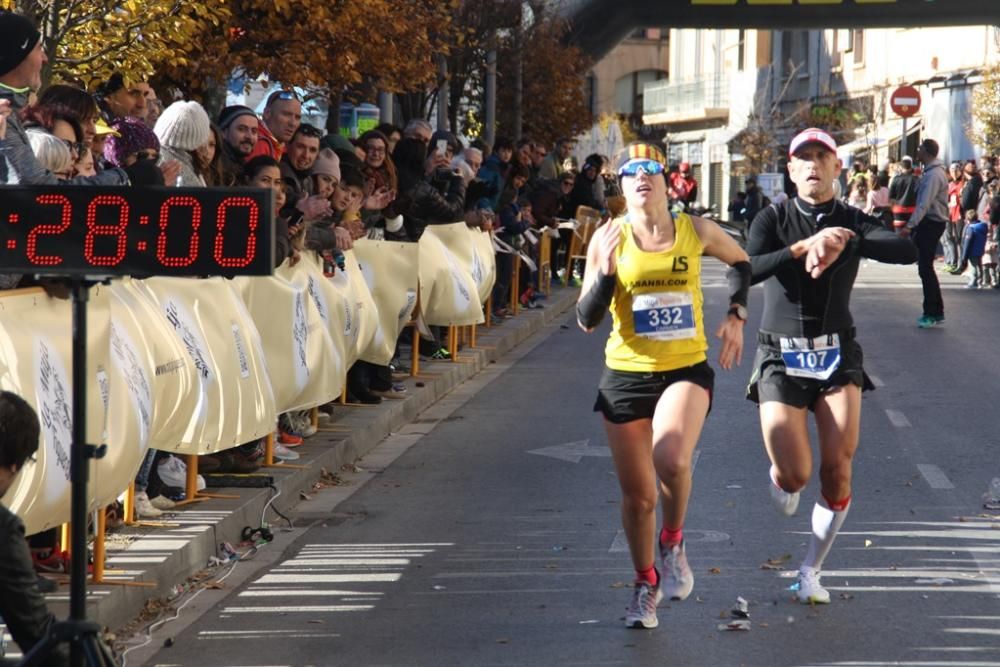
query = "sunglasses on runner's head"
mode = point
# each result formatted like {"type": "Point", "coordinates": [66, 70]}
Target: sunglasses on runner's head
{"type": "Point", "coordinates": [648, 167]}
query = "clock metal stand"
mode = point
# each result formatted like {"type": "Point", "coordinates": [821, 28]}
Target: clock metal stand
{"type": "Point", "coordinates": [40, 246]}
{"type": "Point", "coordinates": [83, 636]}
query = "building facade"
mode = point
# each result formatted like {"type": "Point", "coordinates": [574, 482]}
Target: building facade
{"type": "Point", "coordinates": [841, 80]}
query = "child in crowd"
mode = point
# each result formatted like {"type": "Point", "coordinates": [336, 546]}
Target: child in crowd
{"type": "Point", "coordinates": [991, 253]}
{"type": "Point", "coordinates": [973, 247]}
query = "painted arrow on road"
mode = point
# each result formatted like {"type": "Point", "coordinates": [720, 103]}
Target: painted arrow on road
{"type": "Point", "coordinates": [572, 451]}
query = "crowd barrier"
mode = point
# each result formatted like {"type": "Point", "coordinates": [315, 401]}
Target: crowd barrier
{"type": "Point", "coordinates": [195, 366]}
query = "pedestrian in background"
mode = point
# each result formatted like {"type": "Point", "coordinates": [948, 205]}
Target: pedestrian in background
{"type": "Point", "coordinates": [925, 227]}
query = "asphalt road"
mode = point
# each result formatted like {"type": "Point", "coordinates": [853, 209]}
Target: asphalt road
{"type": "Point", "coordinates": [494, 539]}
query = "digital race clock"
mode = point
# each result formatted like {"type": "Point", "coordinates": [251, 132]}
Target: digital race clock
{"type": "Point", "coordinates": [143, 231]}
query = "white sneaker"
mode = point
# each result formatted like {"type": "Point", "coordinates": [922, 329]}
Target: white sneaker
{"type": "Point", "coordinates": [677, 579]}
{"type": "Point", "coordinates": [173, 472]}
{"type": "Point", "coordinates": [283, 453]}
{"type": "Point", "coordinates": [810, 591]}
{"type": "Point", "coordinates": [641, 612]}
{"type": "Point", "coordinates": [785, 502]}
{"type": "Point", "coordinates": [162, 503]}
{"type": "Point", "coordinates": [143, 508]}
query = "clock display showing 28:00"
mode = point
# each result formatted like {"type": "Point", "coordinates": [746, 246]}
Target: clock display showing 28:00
{"type": "Point", "coordinates": [141, 231]}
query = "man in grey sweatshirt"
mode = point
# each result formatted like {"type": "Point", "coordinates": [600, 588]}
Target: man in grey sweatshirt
{"type": "Point", "coordinates": [926, 226]}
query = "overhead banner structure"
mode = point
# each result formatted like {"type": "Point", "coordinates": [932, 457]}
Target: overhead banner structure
{"type": "Point", "coordinates": [36, 363]}
{"type": "Point", "coordinates": [236, 403]}
{"type": "Point", "coordinates": [448, 293]}
{"type": "Point", "coordinates": [390, 270]}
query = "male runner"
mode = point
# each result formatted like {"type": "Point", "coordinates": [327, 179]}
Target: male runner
{"type": "Point", "coordinates": [807, 252]}
{"type": "Point", "coordinates": [657, 388]}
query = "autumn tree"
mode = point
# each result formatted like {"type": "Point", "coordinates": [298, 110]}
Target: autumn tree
{"type": "Point", "coordinates": [984, 130]}
{"type": "Point", "coordinates": [87, 40]}
{"type": "Point", "coordinates": [320, 45]}
{"type": "Point", "coordinates": [552, 72]}
{"type": "Point", "coordinates": [553, 100]}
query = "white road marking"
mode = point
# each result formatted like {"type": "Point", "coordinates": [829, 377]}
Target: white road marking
{"type": "Point", "coordinates": [898, 419]}
{"type": "Point", "coordinates": [935, 476]}
{"type": "Point", "coordinates": [876, 380]}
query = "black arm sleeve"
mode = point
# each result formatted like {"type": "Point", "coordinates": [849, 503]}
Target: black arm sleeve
{"type": "Point", "coordinates": [882, 245]}
{"type": "Point", "coordinates": [594, 303]}
{"type": "Point", "coordinates": [739, 275]}
{"type": "Point", "coordinates": [767, 253]}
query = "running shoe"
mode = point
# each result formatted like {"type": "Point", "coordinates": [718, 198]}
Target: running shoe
{"type": "Point", "coordinates": [677, 579]}
{"type": "Point", "coordinates": [173, 472]}
{"type": "Point", "coordinates": [929, 321]}
{"type": "Point", "coordinates": [288, 439]}
{"type": "Point", "coordinates": [641, 612]}
{"type": "Point", "coordinates": [144, 509]}
{"type": "Point", "coordinates": [784, 502]}
{"type": "Point", "coordinates": [810, 591]}
{"type": "Point", "coordinates": [283, 453]}
{"type": "Point", "coordinates": [441, 354]}
{"type": "Point", "coordinates": [162, 503]}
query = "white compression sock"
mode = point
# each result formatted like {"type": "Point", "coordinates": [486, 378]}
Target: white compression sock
{"type": "Point", "coordinates": [826, 524]}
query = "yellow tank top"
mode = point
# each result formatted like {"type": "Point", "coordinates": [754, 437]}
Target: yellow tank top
{"type": "Point", "coordinates": [657, 320]}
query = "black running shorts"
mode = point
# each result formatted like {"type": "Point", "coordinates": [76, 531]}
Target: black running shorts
{"type": "Point", "coordinates": [770, 383]}
{"type": "Point", "coordinates": [624, 396]}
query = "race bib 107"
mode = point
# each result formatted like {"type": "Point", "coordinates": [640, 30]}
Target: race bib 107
{"type": "Point", "coordinates": [814, 358]}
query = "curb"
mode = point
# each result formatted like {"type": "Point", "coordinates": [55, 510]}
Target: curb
{"type": "Point", "coordinates": [168, 555]}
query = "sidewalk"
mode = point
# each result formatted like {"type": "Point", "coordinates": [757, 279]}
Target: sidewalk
{"type": "Point", "coordinates": [171, 554]}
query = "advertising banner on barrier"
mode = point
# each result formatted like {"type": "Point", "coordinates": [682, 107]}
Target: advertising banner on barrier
{"type": "Point", "coordinates": [302, 361]}
{"type": "Point", "coordinates": [36, 363]}
{"type": "Point", "coordinates": [390, 270]}
{"type": "Point", "coordinates": [145, 330]}
{"type": "Point", "coordinates": [236, 399]}
{"type": "Point", "coordinates": [352, 312]}
{"type": "Point", "coordinates": [448, 293]}
{"type": "Point", "coordinates": [485, 268]}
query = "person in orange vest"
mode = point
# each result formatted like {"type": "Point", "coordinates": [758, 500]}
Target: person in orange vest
{"type": "Point", "coordinates": [282, 116]}
{"type": "Point", "coordinates": [683, 186]}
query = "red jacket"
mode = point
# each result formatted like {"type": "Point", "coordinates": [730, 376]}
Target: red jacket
{"type": "Point", "coordinates": [955, 200]}
{"type": "Point", "coordinates": [267, 144]}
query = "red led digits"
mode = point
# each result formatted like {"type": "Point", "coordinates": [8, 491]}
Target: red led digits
{"type": "Point", "coordinates": [161, 240]}
{"type": "Point", "coordinates": [94, 229]}
{"type": "Point", "coordinates": [49, 230]}
{"type": "Point", "coordinates": [252, 222]}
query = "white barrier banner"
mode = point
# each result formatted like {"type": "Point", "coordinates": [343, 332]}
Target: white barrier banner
{"type": "Point", "coordinates": [391, 272]}
{"type": "Point", "coordinates": [36, 363]}
{"type": "Point", "coordinates": [303, 363]}
{"type": "Point", "coordinates": [236, 401]}
{"type": "Point", "coordinates": [448, 293]}
{"type": "Point", "coordinates": [485, 271]}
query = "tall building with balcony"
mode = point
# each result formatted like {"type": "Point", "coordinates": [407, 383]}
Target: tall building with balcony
{"type": "Point", "coordinates": [617, 81]}
{"type": "Point", "coordinates": [705, 102]}
{"type": "Point", "coordinates": [822, 73]}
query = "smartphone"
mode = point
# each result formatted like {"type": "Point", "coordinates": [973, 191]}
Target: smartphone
{"type": "Point", "coordinates": [442, 146]}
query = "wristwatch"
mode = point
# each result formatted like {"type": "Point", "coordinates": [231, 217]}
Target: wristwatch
{"type": "Point", "coordinates": [740, 312]}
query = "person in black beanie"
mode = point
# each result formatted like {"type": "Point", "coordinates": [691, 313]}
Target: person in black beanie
{"type": "Point", "coordinates": [239, 126]}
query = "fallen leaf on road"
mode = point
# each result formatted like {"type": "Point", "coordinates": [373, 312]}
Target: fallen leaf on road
{"type": "Point", "coordinates": [714, 570]}
{"type": "Point", "coordinates": [868, 543]}
{"type": "Point", "coordinates": [316, 621]}
{"type": "Point", "coordinates": [739, 625]}
{"type": "Point", "coordinates": [503, 641]}
{"type": "Point", "coordinates": [763, 625]}
{"type": "Point", "coordinates": [619, 584]}
{"type": "Point", "coordinates": [215, 585]}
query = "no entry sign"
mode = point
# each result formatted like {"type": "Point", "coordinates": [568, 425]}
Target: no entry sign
{"type": "Point", "coordinates": [905, 101]}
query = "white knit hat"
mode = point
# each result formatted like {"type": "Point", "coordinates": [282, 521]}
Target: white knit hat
{"type": "Point", "coordinates": [183, 125]}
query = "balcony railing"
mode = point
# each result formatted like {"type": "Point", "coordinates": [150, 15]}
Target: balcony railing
{"type": "Point", "coordinates": [685, 101]}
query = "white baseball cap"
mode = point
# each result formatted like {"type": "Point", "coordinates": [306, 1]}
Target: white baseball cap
{"type": "Point", "coordinates": [812, 136]}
